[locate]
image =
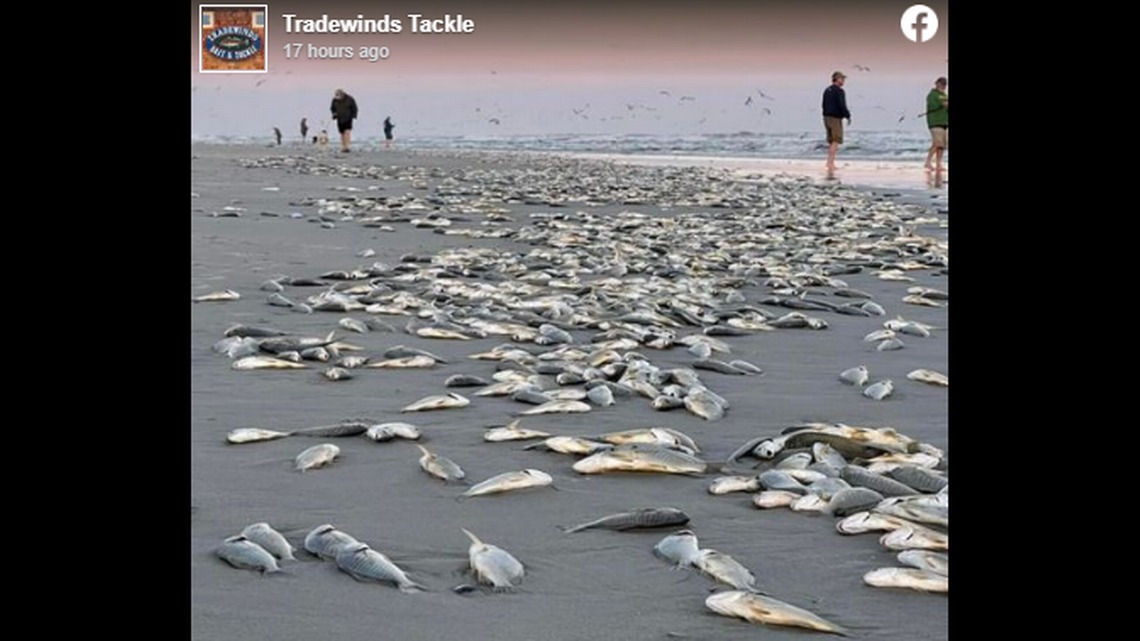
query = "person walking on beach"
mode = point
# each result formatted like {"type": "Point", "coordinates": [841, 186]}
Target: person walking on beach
{"type": "Point", "coordinates": [343, 109]}
{"type": "Point", "coordinates": [834, 111]}
{"type": "Point", "coordinates": [938, 120]}
{"type": "Point", "coordinates": [304, 130]}
{"type": "Point", "coordinates": [388, 127]}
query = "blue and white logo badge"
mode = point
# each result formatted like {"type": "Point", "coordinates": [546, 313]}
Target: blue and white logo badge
{"type": "Point", "coordinates": [919, 23]}
{"type": "Point", "coordinates": [233, 43]}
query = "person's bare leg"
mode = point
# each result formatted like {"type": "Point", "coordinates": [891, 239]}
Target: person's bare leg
{"type": "Point", "coordinates": [938, 160]}
{"type": "Point", "coordinates": [929, 156]}
{"type": "Point", "coordinates": [831, 151]}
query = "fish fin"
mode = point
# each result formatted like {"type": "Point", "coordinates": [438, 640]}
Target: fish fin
{"type": "Point", "coordinates": [411, 587]}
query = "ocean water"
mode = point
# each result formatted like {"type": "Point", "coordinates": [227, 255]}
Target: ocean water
{"type": "Point", "coordinates": [859, 145]}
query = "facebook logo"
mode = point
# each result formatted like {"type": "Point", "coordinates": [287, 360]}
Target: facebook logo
{"type": "Point", "coordinates": [919, 23]}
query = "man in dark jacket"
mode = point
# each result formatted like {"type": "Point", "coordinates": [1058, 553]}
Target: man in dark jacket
{"type": "Point", "coordinates": [343, 112]}
{"type": "Point", "coordinates": [834, 111]}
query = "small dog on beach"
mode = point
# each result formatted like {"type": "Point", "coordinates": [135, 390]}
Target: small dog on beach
{"type": "Point", "coordinates": [323, 139]}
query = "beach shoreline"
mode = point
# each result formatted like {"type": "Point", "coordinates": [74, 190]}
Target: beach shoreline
{"type": "Point", "coordinates": [266, 213]}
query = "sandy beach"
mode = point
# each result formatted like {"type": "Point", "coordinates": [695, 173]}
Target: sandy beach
{"type": "Point", "coordinates": [257, 214]}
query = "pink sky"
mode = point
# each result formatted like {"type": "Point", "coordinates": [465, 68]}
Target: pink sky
{"type": "Point", "coordinates": [518, 55]}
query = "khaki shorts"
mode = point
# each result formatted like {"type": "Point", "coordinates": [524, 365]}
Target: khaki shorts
{"type": "Point", "coordinates": [940, 137]}
{"type": "Point", "coordinates": [834, 128]}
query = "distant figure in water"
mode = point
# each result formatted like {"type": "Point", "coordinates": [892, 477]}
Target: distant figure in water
{"type": "Point", "coordinates": [388, 127]}
{"type": "Point", "coordinates": [304, 129]}
{"type": "Point", "coordinates": [277, 134]}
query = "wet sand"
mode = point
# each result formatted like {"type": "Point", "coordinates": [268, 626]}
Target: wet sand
{"type": "Point", "coordinates": [595, 584]}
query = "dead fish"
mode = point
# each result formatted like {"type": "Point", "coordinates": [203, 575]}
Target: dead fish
{"type": "Point", "coordinates": [704, 404]}
{"type": "Point", "coordinates": [337, 374]}
{"type": "Point", "coordinates": [679, 548]}
{"type": "Point", "coordinates": [909, 578]}
{"type": "Point", "coordinates": [570, 445]}
{"type": "Point", "coordinates": [512, 432]}
{"type": "Point", "coordinates": [634, 519]}
{"type": "Point", "coordinates": [465, 380]}
{"type": "Point", "coordinates": [316, 456]}
{"type": "Point", "coordinates": [729, 484]}
{"type": "Point", "coordinates": [319, 354]}
{"type": "Point", "coordinates": [890, 345]}
{"type": "Point", "coordinates": [915, 538]}
{"type": "Point", "coordinates": [758, 608]}
{"type": "Point", "coordinates": [929, 377]}
{"type": "Point", "coordinates": [244, 554]}
{"type": "Point", "coordinates": [407, 362]}
{"type": "Point", "coordinates": [880, 390]}
{"type": "Point", "coordinates": [389, 431]}
{"type": "Point", "coordinates": [325, 541]}
{"type": "Point", "coordinates": [493, 565]}
{"type": "Point", "coordinates": [440, 467]}
{"type": "Point", "coordinates": [278, 344]}
{"type": "Point", "coordinates": [438, 402]}
{"type": "Point", "coordinates": [265, 362]}
{"type": "Point", "coordinates": [336, 430]}
{"type": "Point", "coordinates": [722, 567]}
{"type": "Point", "coordinates": [768, 499]}
{"type": "Point", "coordinates": [641, 458]}
{"type": "Point", "coordinates": [253, 435]}
{"type": "Point", "coordinates": [558, 407]}
{"type": "Point", "coordinates": [912, 299]}
{"type": "Point", "coordinates": [365, 564]}
{"type": "Point", "coordinates": [855, 376]}
{"type": "Point", "coordinates": [354, 325]}
{"type": "Point", "coordinates": [252, 331]}
{"type": "Point", "coordinates": [273, 541]}
{"type": "Point", "coordinates": [509, 481]}
{"type": "Point", "coordinates": [217, 297]}
{"type": "Point", "coordinates": [935, 562]}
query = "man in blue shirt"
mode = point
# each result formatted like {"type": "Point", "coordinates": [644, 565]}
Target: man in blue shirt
{"type": "Point", "coordinates": [834, 111]}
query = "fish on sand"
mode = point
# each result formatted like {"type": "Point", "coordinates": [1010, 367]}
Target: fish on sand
{"type": "Point", "coordinates": [509, 481]}
{"type": "Point", "coordinates": [649, 517]}
{"type": "Point", "coordinates": [758, 608]}
{"type": "Point", "coordinates": [493, 565]}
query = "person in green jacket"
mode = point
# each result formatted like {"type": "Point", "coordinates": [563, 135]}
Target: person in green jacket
{"type": "Point", "coordinates": [938, 120]}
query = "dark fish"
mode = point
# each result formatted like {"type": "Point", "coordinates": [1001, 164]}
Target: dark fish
{"type": "Point", "coordinates": [347, 428]}
{"type": "Point", "coordinates": [244, 331]}
{"type": "Point", "coordinates": [639, 518]}
{"type": "Point", "coordinates": [860, 477]}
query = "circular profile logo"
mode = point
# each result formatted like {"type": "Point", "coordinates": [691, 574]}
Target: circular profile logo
{"type": "Point", "coordinates": [919, 23]}
{"type": "Point", "coordinates": [233, 43]}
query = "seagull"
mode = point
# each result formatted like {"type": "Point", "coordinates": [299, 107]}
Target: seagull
{"type": "Point", "coordinates": [493, 121]}
{"type": "Point", "coordinates": [767, 111]}
{"type": "Point", "coordinates": [862, 68]}
{"type": "Point", "coordinates": [764, 95]}
{"type": "Point", "coordinates": [748, 102]}
{"type": "Point", "coordinates": [260, 82]}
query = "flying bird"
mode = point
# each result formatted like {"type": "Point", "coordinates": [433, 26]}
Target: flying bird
{"type": "Point", "coordinates": [748, 102]}
{"type": "Point", "coordinates": [862, 68]}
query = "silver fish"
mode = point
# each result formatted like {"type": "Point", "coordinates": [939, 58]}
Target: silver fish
{"type": "Point", "coordinates": [641, 458]}
{"type": "Point", "coordinates": [558, 407]}
{"type": "Point", "coordinates": [935, 562]}
{"type": "Point", "coordinates": [493, 565]}
{"type": "Point", "coordinates": [354, 325]}
{"type": "Point", "coordinates": [679, 547]}
{"type": "Point", "coordinates": [509, 481]}
{"type": "Point", "coordinates": [438, 402]}
{"type": "Point", "coordinates": [217, 297]}
{"type": "Point", "coordinates": [253, 435]}
{"type": "Point", "coordinates": [316, 456]}
{"type": "Point", "coordinates": [337, 374]}
{"type": "Point", "coordinates": [768, 499]}
{"type": "Point", "coordinates": [640, 518]}
{"type": "Point", "coordinates": [265, 362]}
{"type": "Point", "coordinates": [879, 390]}
{"type": "Point", "coordinates": [365, 564]}
{"type": "Point", "coordinates": [929, 377]}
{"type": "Point", "coordinates": [757, 608]}
{"type": "Point", "coordinates": [440, 467]}
{"type": "Point", "coordinates": [273, 541]}
{"type": "Point", "coordinates": [244, 554]}
{"type": "Point", "coordinates": [909, 578]}
{"type": "Point", "coordinates": [406, 362]}
{"type": "Point", "coordinates": [855, 376]}
{"type": "Point", "coordinates": [512, 432]}
{"type": "Point", "coordinates": [336, 430]}
{"type": "Point", "coordinates": [728, 484]}
{"type": "Point", "coordinates": [725, 569]}
{"type": "Point", "coordinates": [915, 538]}
{"type": "Point", "coordinates": [325, 541]}
{"type": "Point", "coordinates": [389, 431]}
